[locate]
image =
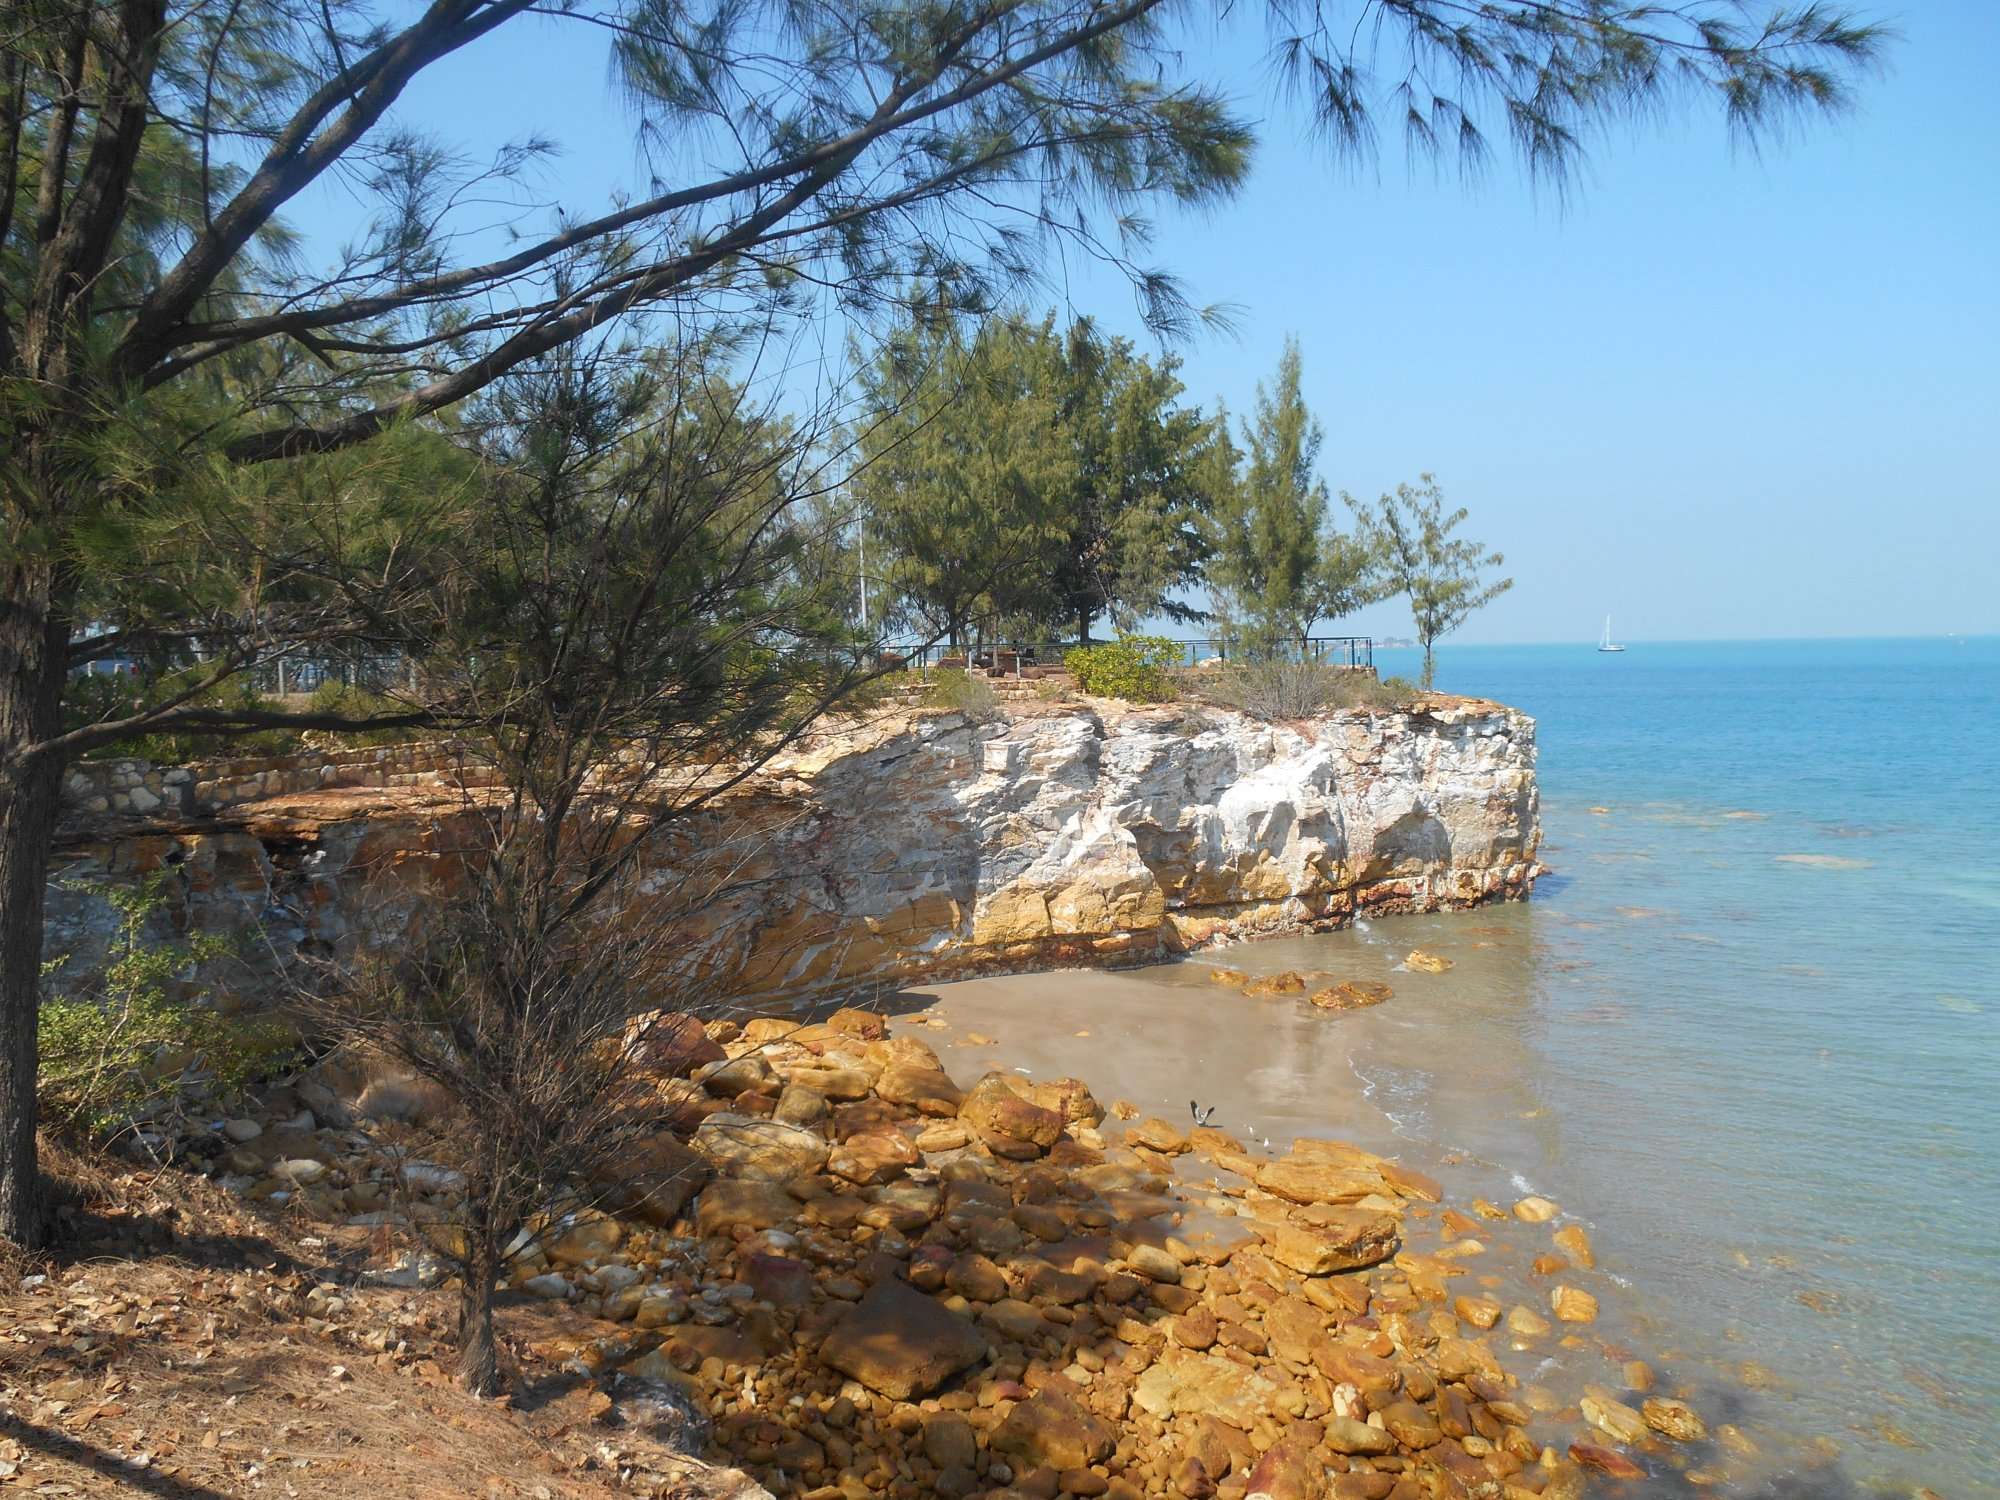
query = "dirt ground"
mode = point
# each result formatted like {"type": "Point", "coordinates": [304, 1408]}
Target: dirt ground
{"type": "Point", "coordinates": [180, 1346]}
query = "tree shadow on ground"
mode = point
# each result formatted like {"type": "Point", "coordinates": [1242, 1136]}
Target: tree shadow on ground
{"type": "Point", "coordinates": [47, 1442]}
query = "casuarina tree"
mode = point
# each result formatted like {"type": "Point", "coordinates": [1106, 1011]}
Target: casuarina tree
{"type": "Point", "coordinates": [638, 623]}
{"type": "Point", "coordinates": [160, 335]}
{"type": "Point", "coordinates": [1279, 566]}
{"type": "Point", "coordinates": [1440, 574]}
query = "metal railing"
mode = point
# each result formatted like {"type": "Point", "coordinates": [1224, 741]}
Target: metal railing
{"type": "Point", "coordinates": [1355, 652]}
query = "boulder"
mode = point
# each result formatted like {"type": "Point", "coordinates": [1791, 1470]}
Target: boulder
{"type": "Point", "coordinates": [1308, 1180]}
{"type": "Point", "coordinates": [1480, 1312]}
{"type": "Point", "coordinates": [949, 1441]}
{"type": "Point", "coordinates": [1612, 1417]}
{"type": "Point", "coordinates": [669, 1044]}
{"type": "Point", "coordinates": [1154, 1263]}
{"type": "Point", "coordinates": [996, 1111]}
{"type": "Point", "coordinates": [1426, 963]}
{"type": "Point", "coordinates": [1289, 982]}
{"type": "Point", "coordinates": [1155, 1134]}
{"type": "Point", "coordinates": [754, 1204]}
{"type": "Point", "coordinates": [1069, 1097]}
{"type": "Point", "coordinates": [800, 1105]}
{"type": "Point", "coordinates": [1055, 1431]}
{"type": "Point", "coordinates": [844, 1084]}
{"type": "Point", "coordinates": [851, 1020]}
{"type": "Point", "coordinates": [1573, 1304]}
{"type": "Point", "coordinates": [1535, 1210]}
{"type": "Point", "coordinates": [655, 1180]}
{"type": "Point", "coordinates": [725, 1080]}
{"type": "Point", "coordinates": [1574, 1242]}
{"type": "Point", "coordinates": [1343, 1239]}
{"type": "Point", "coordinates": [1410, 1182]}
{"type": "Point", "coordinates": [927, 1090]}
{"type": "Point", "coordinates": [1674, 1419]}
{"type": "Point", "coordinates": [745, 1148]}
{"type": "Point", "coordinates": [900, 1343]}
{"type": "Point", "coordinates": [778, 1280]}
{"type": "Point", "coordinates": [1351, 994]}
{"type": "Point", "coordinates": [1411, 1425]}
{"type": "Point", "coordinates": [1183, 1383]}
{"type": "Point", "coordinates": [1287, 1471]}
{"type": "Point", "coordinates": [582, 1238]}
{"type": "Point", "coordinates": [1606, 1461]}
{"type": "Point", "coordinates": [872, 1158]}
{"type": "Point", "coordinates": [1348, 1435]}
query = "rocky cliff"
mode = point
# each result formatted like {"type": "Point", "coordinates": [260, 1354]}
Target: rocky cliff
{"type": "Point", "coordinates": [924, 845]}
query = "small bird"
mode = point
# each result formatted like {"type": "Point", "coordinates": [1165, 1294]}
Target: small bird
{"type": "Point", "coordinates": [1201, 1116]}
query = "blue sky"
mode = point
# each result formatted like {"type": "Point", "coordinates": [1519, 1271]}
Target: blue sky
{"type": "Point", "coordinates": [1716, 394]}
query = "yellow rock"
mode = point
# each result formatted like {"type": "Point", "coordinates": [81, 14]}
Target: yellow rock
{"type": "Point", "coordinates": [1573, 1304]}
{"type": "Point", "coordinates": [1535, 1210]}
{"type": "Point", "coordinates": [1612, 1417]}
{"type": "Point", "coordinates": [1573, 1242]}
{"type": "Point", "coordinates": [1674, 1419]}
{"type": "Point", "coordinates": [1480, 1312]}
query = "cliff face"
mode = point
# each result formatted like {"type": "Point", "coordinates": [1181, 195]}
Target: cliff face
{"type": "Point", "coordinates": [933, 845]}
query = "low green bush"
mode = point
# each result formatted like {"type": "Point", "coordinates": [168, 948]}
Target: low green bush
{"type": "Point", "coordinates": [1135, 668]}
{"type": "Point", "coordinates": [961, 691]}
{"type": "Point", "coordinates": [126, 1049]}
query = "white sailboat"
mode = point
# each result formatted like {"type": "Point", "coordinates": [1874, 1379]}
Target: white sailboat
{"type": "Point", "coordinates": [1604, 642]}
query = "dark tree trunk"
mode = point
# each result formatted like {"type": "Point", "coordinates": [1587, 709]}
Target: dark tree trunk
{"type": "Point", "coordinates": [478, 1353]}
{"type": "Point", "coordinates": [1083, 619]}
{"type": "Point", "coordinates": [33, 649]}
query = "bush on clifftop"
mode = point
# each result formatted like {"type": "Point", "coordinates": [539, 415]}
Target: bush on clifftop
{"type": "Point", "coordinates": [1134, 668]}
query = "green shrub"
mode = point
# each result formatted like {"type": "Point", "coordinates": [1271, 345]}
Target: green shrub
{"type": "Point", "coordinates": [335, 697]}
{"type": "Point", "coordinates": [963, 692]}
{"type": "Point", "coordinates": [1134, 668]}
{"type": "Point", "coordinates": [1281, 690]}
{"type": "Point", "coordinates": [94, 698]}
{"type": "Point", "coordinates": [127, 1049]}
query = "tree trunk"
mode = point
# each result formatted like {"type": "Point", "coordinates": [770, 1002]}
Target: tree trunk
{"type": "Point", "coordinates": [1083, 619]}
{"type": "Point", "coordinates": [1430, 664]}
{"type": "Point", "coordinates": [33, 651]}
{"type": "Point", "coordinates": [478, 1354]}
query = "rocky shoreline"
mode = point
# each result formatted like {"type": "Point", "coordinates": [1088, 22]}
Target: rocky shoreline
{"type": "Point", "coordinates": [851, 1275]}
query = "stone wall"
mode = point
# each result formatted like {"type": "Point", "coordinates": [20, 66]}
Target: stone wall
{"type": "Point", "coordinates": [139, 788]}
{"type": "Point", "coordinates": [919, 846]}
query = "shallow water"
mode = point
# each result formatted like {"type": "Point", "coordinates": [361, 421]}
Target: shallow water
{"type": "Point", "coordinates": [1748, 1033]}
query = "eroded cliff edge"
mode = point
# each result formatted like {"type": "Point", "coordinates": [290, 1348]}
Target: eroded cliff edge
{"type": "Point", "coordinates": [909, 847]}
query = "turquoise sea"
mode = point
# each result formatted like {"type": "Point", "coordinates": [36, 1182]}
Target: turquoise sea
{"type": "Point", "coordinates": [1761, 1016]}
{"type": "Point", "coordinates": [1746, 1033]}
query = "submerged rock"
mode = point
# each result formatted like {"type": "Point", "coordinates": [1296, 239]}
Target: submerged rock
{"type": "Point", "coordinates": [1573, 1304]}
{"type": "Point", "coordinates": [1351, 994]}
{"type": "Point", "coordinates": [1674, 1419]}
